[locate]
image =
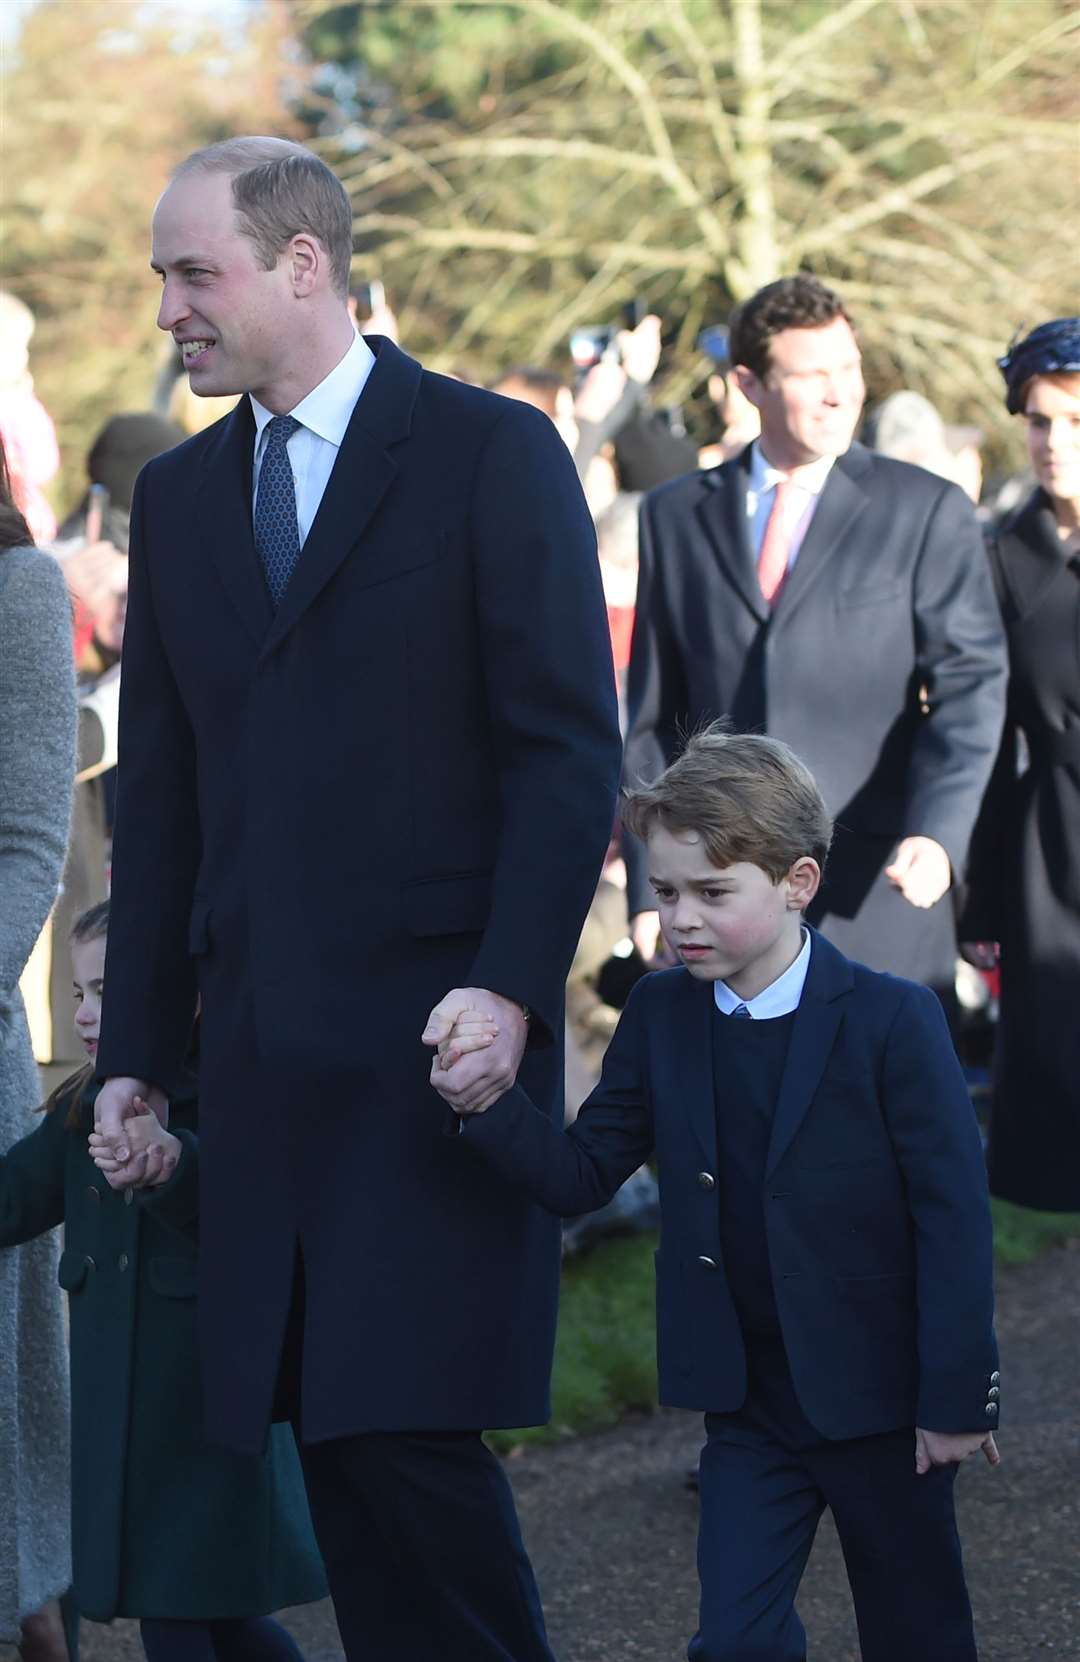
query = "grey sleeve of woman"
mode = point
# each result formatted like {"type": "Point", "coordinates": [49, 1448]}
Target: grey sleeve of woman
{"type": "Point", "coordinates": [37, 754]}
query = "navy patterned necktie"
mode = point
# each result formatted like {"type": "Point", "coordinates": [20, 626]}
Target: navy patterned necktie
{"type": "Point", "coordinates": [741, 1010]}
{"type": "Point", "coordinates": [277, 535]}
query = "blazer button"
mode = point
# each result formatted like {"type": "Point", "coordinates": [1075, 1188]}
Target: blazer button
{"type": "Point", "coordinates": [992, 1394]}
{"type": "Point", "coordinates": [707, 1263]}
{"type": "Point", "coordinates": [706, 1180]}
{"type": "Point", "coordinates": [122, 1261]}
{"type": "Point", "coordinates": [995, 1378]}
{"type": "Point", "coordinates": [991, 1408]}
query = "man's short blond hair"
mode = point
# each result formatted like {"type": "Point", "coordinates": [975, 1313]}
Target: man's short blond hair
{"type": "Point", "coordinates": [747, 796]}
{"type": "Point", "coordinates": [280, 189]}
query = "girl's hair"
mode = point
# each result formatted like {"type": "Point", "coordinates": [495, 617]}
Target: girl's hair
{"type": "Point", "coordinates": [14, 531]}
{"type": "Point", "coordinates": [92, 925]}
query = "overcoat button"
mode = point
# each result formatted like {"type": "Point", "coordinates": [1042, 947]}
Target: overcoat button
{"type": "Point", "coordinates": [707, 1263]}
{"type": "Point", "coordinates": [94, 1193]}
{"type": "Point", "coordinates": [122, 1261]}
{"type": "Point", "coordinates": [129, 1196]}
{"type": "Point", "coordinates": [706, 1180]}
{"type": "Point", "coordinates": [89, 1262]}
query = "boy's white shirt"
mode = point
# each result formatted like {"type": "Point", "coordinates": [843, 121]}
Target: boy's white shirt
{"type": "Point", "coordinates": [779, 998]}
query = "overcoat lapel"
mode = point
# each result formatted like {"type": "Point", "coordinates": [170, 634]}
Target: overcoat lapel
{"type": "Point", "coordinates": [362, 473]}
{"type": "Point", "coordinates": [691, 1043]}
{"type": "Point", "coordinates": [1029, 561]}
{"type": "Point", "coordinates": [224, 514]}
{"type": "Point", "coordinates": [817, 1020]}
{"type": "Point", "coordinates": [721, 511]}
{"type": "Point", "coordinates": [842, 501]}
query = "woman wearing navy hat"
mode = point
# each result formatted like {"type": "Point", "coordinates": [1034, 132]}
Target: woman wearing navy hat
{"type": "Point", "coordinates": [1025, 867]}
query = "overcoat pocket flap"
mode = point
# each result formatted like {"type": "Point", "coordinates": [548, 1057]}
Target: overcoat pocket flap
{"type": "Point", "coordinates": [71, 1272]}
{"type": "Point", "coordinates": [174, 1277]}
{"type": "Point", "coordinates": [448, 905]}
{"type": "Point", "coordinates": [199, 929]}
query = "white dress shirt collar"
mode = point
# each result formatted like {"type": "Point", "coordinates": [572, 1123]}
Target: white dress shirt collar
{"type": "Point", "coordinates": [779, 998]}
{"type": "Point", "coordinates": [327, 408]}
{"type": "Point", "coordinates": [810, 479]}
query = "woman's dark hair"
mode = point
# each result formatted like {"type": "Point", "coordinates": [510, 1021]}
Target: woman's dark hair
{"type": "Point", "coordinates": [801, 302]}
{"type": "Point", "coordinates": [92, 925]}
{"type": "Point", "coordinates": [14, 531]}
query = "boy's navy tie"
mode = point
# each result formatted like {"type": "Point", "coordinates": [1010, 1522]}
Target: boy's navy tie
{"type": "Point", "coordinates": [277, 535]}
{"type": "Point", "coordinates": [741, 1010]}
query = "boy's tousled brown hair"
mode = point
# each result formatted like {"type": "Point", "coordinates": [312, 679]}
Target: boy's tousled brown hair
{"type": "Point", "coordinates": [747, 796]}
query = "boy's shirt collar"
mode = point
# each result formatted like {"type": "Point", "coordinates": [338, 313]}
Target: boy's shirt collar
{"type": "Point", "coordinates": [779, 998]}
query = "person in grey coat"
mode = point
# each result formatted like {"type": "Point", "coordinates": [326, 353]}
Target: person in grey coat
{"type": "Point", "coordinates": [37, 769]}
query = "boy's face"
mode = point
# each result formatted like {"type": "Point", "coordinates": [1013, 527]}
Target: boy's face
{"type": "Point", "coordinates": [732, 924]}
{"type": "Point", "coordinates": [88, 976]}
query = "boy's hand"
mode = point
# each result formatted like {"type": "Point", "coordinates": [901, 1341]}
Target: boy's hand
{"type": "Point", "coordinates": [473, 1030]}
{"type": "Point", "coordinates": [153, 1153]}
{"type": "Point", "coordinates": [474, 1082]}
{"type": "Point", "coordinates": [948, 1448]}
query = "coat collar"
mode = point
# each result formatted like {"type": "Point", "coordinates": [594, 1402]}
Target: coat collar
{"type": "Point", "coordinates": [362, 473]}
{"type": "Point", "coordinates": [722, 513]}
{"type": "Point", "coordinates": [817, 1020]}
{"type": "Point", "coordinates": [1029, 557]}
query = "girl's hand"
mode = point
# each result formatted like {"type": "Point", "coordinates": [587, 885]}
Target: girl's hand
{"type": "Point", "coordinates": [153, 1153]}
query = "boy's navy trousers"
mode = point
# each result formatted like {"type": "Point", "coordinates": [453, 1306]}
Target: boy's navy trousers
{"type": "Point", "coordinates": [766, 1477]}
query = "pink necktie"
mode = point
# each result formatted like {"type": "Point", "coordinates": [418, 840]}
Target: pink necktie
{"type": "Point", "coordinates": [775, 545]}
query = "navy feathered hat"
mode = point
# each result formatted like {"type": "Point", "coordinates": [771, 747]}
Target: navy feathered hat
{"type": "Point", "coordinates": [1051, 349]}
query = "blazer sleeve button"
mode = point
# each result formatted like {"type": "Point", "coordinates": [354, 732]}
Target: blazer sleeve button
{"type": "Point", "coordinates": [995, 1378]}
{"type": "Point", "coordinates": [706, 1180]}
{"type": "Point", "coordinates": [991, 1408]}
{"type": "Point", "coordinates": [707, 1263]}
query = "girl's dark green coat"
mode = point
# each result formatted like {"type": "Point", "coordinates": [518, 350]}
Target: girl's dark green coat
{"type": "Point", "coordinates": [162, 1524]}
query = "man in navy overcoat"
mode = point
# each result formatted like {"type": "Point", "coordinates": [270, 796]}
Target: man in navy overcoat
{"type": "Point", "coordinates": [369, 755]}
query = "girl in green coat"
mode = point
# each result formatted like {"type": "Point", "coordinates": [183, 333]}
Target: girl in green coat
{"type": "Point", "coordinates": [199, 1544]}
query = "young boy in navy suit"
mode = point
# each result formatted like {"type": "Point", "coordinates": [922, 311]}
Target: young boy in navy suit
{"type": "Point", "coordinates": [824, 1279]}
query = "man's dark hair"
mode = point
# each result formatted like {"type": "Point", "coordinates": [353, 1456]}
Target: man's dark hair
{"type": "Point", "coordinates": [801, 302]}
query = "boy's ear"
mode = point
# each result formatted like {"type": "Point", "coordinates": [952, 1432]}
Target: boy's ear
{"type": "Point", "coordinates": [803, 880]}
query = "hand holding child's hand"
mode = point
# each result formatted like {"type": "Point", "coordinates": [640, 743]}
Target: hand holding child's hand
{"type": "Point", "coordinates": [472, 1030]}
{"type": "Point", "coordinates": [153, 1153]}
{"type": "Point", "coordinates": [471, 1085]}
{"type": "Point", "coordinates": [949, 1448]}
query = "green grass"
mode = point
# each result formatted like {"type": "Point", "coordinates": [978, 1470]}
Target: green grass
{"type": "Point", "coordinates": [1021, 1235]}
{"type": "Point", "coordinates": [605, 1358]}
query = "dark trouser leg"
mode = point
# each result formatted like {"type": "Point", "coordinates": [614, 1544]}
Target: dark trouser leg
{"type": "Point", "coordinates": [422, 1549]}
{"type": "Point", "coordinates": [169, 1641]}
{"type": "Point", "coordinates": [253, 1639]}
{"type": "Point", "coordinates": [759, 1512]}
{"type": "Point", "coordinates": [902, 1549]}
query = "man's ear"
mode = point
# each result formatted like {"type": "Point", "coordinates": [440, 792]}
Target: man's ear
{"type": "Point", "coordinates": [306, 262]}
{"type": "Point", "coordinates": [749, 385]}
{"type": "Point", "coordinates": [803, 880]}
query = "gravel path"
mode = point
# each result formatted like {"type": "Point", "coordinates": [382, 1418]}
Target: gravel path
{"type": "Point", "coordinates": [611, 1526]}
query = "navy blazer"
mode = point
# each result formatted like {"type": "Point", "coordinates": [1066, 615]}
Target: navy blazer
{"type": "Point", "coordinates": [401, 781]}
{"type": "Point", "coordinates": [875, 1197]}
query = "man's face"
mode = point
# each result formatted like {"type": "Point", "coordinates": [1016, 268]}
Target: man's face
{"type": "Point", "coordinates": [730, 924]}
{"type": "Point", "coordinates": [812, 395]}
{"type": "Point", "coordinates": [229, 316]}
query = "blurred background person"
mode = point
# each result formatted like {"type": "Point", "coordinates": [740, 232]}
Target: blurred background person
{"type": "Point", "coordinates": [37, 766]}
{"type": "Point", "coordinates": [811, 589]}
{"type": "Point", "coordinates": [740, 423]}
{"type": "Point", "coordinates": [1024, 881]}
{"type": "Point", "coordinates": [93, 548]}
{"type": "Point", "coordinates": [909, 428]}
{"type": "Point", "coordinates": [26, 429]}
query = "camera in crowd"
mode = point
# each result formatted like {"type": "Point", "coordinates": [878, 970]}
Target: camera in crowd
{"type": "Point", "coordinates": [596, 343]}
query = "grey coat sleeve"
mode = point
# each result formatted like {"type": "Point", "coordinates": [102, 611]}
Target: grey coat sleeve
{"type": "Point", "coordinates": [37, 754]}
